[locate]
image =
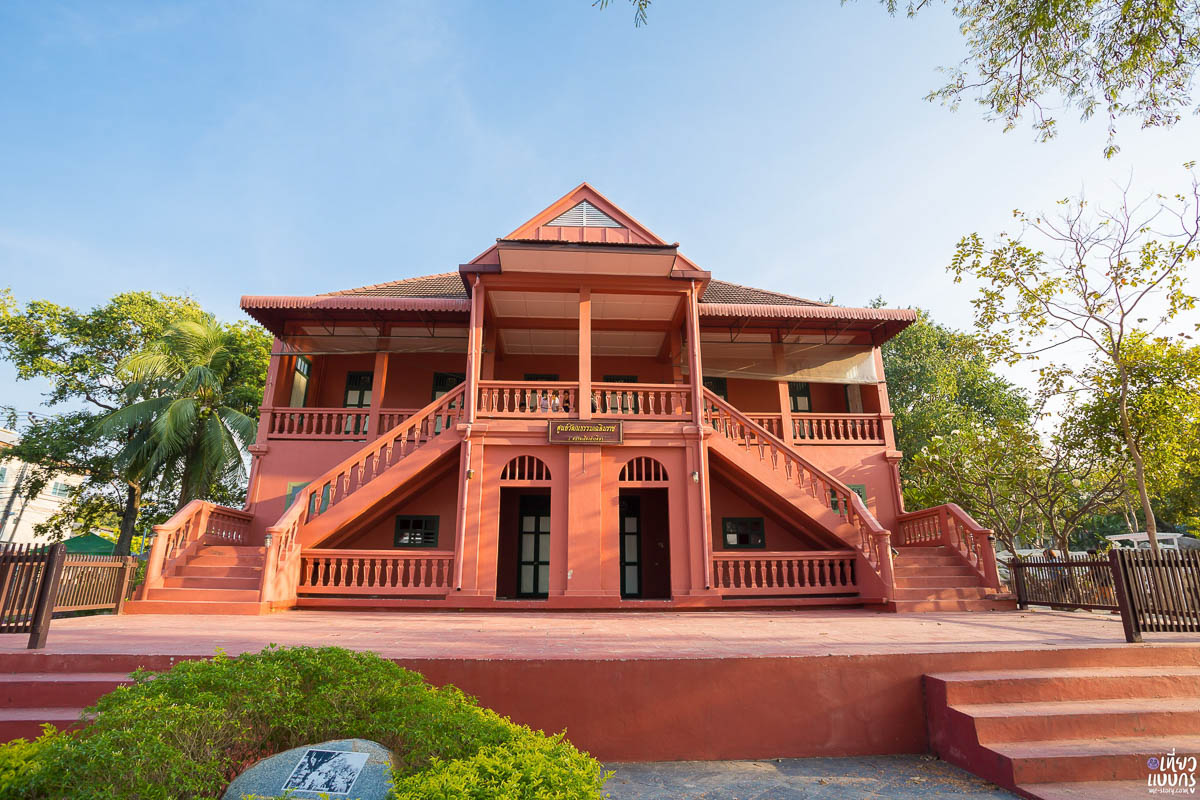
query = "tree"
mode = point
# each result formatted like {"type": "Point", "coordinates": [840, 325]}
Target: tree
{"type": "Point", "coordinates": [1024, 489]}
{"type": "Point", "coordinates": [188, 392]}
{"type": "Point", "coordinates": [640, 8]}
{"type": "Point", "coordinates": [78, 353]}
{"type": "Point", "coordinates": [1164, 419]}
{"type": "Point", "coordinates": [941, 380]}
{"type": "Point", "coordinates": [1124, 59]}
{"type": "Point", "coordinates": [1112, 279]}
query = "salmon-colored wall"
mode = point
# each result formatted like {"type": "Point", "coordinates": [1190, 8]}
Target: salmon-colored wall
{"type": "Point", "coordinates": [439, 498]}
{"type": "Point", "coordinates": [408, 383]}
{"type": "Point", "coordinates": [759, 396]}
{"type": "Point", "coordinates": [727, 501]}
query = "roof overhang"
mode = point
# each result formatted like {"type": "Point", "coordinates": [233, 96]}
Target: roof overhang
{"type": "Point", "coordinates": [273, 312]}
{"type": "Point", "coordinates": [883, 323]}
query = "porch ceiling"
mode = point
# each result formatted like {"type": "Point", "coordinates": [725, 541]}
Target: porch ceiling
{"type": "Point", "coordinates": [565, 342]}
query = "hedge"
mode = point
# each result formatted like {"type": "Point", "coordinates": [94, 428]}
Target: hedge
{"type": "Point", "coordinates": [188, 732]}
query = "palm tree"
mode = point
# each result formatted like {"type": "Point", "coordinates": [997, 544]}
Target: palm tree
{"type": "Point", "coordinates": [181, 400]}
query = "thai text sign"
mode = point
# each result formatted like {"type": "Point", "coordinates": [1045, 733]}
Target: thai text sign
{"type": "Point", "coordinates": [575, 431]}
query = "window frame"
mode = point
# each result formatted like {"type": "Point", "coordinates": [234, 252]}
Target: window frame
{"type": "Point", "coordinates": [435, 528]}
{"type": "Point", "coordinates": [56, 492]}
{"type": "Point", "coordinates": [762, 532]}
{"type": "Point", "coordinates": [794, 394]}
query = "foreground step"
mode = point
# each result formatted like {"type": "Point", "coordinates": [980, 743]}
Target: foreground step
{"type": "Point", "coordinates": [1086, 790]}
{"type": "Point", "coordinates": [981, 604]}
{"type": "Point", "coordinates": [26, 723]}
{"type": "Point", "coordinates": [1079, 719]}
{"type": "Point", "coordinates": [57, 690]}
{"type": "Point", "coordinates": [1090, 760]}
{"type": "Point", "coordinates": [1069, 683]}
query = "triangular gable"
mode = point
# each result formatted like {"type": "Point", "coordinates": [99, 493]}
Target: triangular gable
{"type": "Point", "coordinates": [585, 215]}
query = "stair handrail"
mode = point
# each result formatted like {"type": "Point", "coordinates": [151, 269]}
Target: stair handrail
{"type": "Point", "coordinates": [180, 536]}
{"type": "Point", "coordinates": [281, 568]}
{"type": "Point", "coordinates": [874, 540]}
{"type": "Point", "coordinates": [953, 527]}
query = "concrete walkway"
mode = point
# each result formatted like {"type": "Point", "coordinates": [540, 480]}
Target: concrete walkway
{"type": "Point", "coordinates": [891, 777]}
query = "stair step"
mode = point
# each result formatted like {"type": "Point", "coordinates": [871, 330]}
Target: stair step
{"type": "Point", "coordinates": [1072, 719]}
{"type": "Point", "coordinates": [1086, 760]}
{"type": "Point", "coordinates": [212, 583]}
{"type": "Point", "coordinates": [910, 570]}
{"type": "Point", "coordinates": [57, 690]}
{"type": "Point", "coordinates": [218, 595]}
{"type": "Point", "coordinates": [26, 723]}
{"type": "Point", "coordinates": [937, 582]}
{"type": "Point", "coordinates": [1069, 683]}
{"type": "Point", "coordinates": [246, 560]}
{"type": "Point", "coordinates": [1085, 790]}
{"type": "Point", "coordinates": [926, 552]}
{"type": "Point", "coordinates": [930, 561]}
{"type": "Point", "coordinates": [231, 550]}
{"type": "Point", "coordinates": [180, 606]}
{"type": "Point", "coordinates": [193, 570]}
{"type": "Point", "coordinates": [983, 604]}
{"type": "Point", "coordinates": [956, 593]}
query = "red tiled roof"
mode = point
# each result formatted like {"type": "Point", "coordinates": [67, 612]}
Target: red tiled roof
{"type": "Point", "coordinates": [449, 284]}
{"type": "Point", "coordinates": [796, 311]}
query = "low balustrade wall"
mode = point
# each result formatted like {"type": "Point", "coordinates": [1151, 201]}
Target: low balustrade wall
{"type": "Point", "coordinates": [830, 572]}
{"type": "Point", "coordinates": [376, 573]}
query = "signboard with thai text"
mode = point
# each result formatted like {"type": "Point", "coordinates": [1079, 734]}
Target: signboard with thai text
{"type": "Point", "coordinates": [583, 431]}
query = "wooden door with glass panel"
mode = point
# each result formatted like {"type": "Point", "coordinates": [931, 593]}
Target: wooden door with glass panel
{"type": "Point", "coordinates": [631, 546]}
{"type": "Point", "coordinates": [533, 553]}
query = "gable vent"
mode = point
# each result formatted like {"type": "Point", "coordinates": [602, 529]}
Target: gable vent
{"type": "Point", "coordinates": [585, 215]}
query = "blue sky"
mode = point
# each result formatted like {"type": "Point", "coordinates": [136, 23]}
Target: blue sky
{"type": "Point", "coordinates": [221, 149]}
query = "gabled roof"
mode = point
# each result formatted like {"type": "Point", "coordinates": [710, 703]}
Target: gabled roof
{"type": "Point", "coordinates": [448, 284]}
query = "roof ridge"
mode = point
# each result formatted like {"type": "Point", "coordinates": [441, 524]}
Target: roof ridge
{"type": "Point", "coordinates": [358, 289]}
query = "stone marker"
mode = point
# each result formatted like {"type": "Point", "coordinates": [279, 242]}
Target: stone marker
{"type": "Point", "coordinates": [353, 769]}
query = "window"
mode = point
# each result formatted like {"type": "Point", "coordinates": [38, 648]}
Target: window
{"type": "Point", "coordinates": [416, 531]}
{"type": "Point", "coordinates": [358, 389]}
{"type": "Point", "coordinates": [444, 382]}
{"type": "Point", "coordinates": [3, 475]}
{"type": "Point", "coordinates": [620, 378]}
{"type": "Point", "coordinates": [58, 489]}
{"type": "Point", "coordinates": [743, 533]}
{"type": "Point", "coordinates": [858, 488]}
{"type": "Point", "coordinates": [300, 383]}
{"type": "Point", "coordinates": [293, 489]}
{"type": "Point", "coordinates": [799, 396]}
{"type": "Point", "coordinates": [718, 386]}
{"type": "Point", "coordinates": [541, 376]}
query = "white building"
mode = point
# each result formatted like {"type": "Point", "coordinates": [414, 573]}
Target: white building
{"type": "Point", "coordinates": [18, 516]}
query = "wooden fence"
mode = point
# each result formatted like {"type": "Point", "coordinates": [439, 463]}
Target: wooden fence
{"type": "Point", "coordinates": [1153, 593]}
{"type": "Point", "coordinates": [39, 581]}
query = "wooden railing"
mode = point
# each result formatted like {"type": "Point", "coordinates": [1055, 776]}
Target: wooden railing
{"type": "Point", "coordinates": [527, 399]}
{"type": "Point", "coordinates": [642, 400]}
{"type": "Point", "coordinates": [374, 572]}
{"type": "Point", "coordinates": [837, 428]}
{"type": "Point", "coordinates": [788, 465]}
{"type": "Point", "coordinates": [800, 573]}
{"type": "Point", "coordinates": [1154, 592]}
{"type": "Point", "coordinates": [38, 581]}
{"type": "Point", "coordinates": [180, 535]}
{"type": "Point", "coordinates": [949, 525]}
{"type": "Point", "coordinates": [329, 424]}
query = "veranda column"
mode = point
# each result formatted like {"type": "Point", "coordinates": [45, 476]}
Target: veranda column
{"type": "Point", "coordinates": [259, 448]}
{"type": "Point", "coordinates": [697, 379]}
{"type": "Point", "coordinates": [585, 353]}
{"type": "Point", "coordinates": [474, 345]}
{"type": "Point", "coordinates": [890, 453]}
{"type": "Point", "coordinates": [785, 399]}
{"type": "Point", "coordinates": [378, 387]}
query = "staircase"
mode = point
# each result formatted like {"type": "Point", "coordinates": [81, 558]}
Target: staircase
{"type": "Point", "coordinates": [212, 579]}
{"type": "Point", "coordinates": [203, 560]}
{"type": "Point", "coordinates": [937, 579]}
{"type": "Point", "coordinates": [1078, 731]}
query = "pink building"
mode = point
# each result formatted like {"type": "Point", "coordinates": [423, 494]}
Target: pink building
{"type": "Point", "coordinates": [578, 417]}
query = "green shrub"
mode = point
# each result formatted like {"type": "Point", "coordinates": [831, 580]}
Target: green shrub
{"type": "Point", "coordinates": [187, 732]}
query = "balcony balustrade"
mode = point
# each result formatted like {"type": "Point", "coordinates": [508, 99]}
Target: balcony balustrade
{"type": "Point", "coordinates": [330, 424]}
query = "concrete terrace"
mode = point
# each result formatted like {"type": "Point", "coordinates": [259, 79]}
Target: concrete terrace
{"type": "Point", "coordinates": [595, 635]}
